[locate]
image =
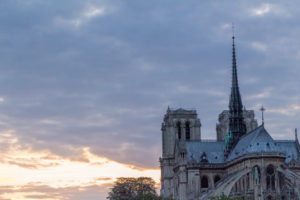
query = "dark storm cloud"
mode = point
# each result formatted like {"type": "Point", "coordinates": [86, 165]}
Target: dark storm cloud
{"type": "Point", "coordinates": [102, 73]}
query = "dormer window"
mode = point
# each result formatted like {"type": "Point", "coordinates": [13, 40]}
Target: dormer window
{"type": "Point", "coordinates": [187, 131]}
{"type": "Point", "coordinates": [203, 158]}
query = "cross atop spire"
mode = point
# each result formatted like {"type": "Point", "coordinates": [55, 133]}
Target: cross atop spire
{"type": "Point", "coordinates": [262, 109]}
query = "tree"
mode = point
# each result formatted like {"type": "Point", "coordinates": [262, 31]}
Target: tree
{"type": "Point", "coordinates": [148, 196]}
{"type": "Point", "coordinates": [133, 189]}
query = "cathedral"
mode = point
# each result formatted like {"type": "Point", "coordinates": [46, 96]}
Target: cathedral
{"type": "Point", "coordinates": [244, 161]}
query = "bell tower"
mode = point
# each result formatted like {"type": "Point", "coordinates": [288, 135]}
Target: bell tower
{"type": "Point", "coordinates": [179, 126]}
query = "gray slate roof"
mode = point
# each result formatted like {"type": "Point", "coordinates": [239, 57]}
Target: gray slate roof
{"type": "Point", "coordinates": [258, 140]}
{"type": "Point", "coordinates": [214, 151]}
{"type": "Point", "coordinates": [289, 149]}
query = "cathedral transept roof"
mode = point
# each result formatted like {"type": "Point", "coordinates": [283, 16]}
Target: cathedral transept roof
{"type": "Point", "coordinates": [256, 141]}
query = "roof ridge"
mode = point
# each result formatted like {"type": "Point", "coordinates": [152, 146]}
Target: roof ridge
{"type": "Point", "coordinates": [263, 130]}
{"type": "Point", "coordinates": [284, 140]}
{"type": "Point", "coordinates": [260, 132]}
{"type": "Point", "coordinates": [261, 126]}
{"type": "Point", "coordinates": [204, 141]}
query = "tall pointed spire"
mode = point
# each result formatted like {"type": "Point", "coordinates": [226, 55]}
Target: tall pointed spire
{"type": "Point", "coordinates": [237, 126]}
{"type": "Point", "coordinates": [235, 97]}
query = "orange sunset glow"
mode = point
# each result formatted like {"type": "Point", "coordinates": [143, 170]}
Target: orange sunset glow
{"type": "Point", "coordinates": [85, 85]}
{"type": "Point", "coordinates": [28, 174]}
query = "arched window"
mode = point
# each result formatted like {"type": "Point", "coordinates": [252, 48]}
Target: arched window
{"type": "Point", "coordinates": [179, 130]}
{"type": "Point", "coordinates": [248, 181]}
{"type": "Point", "coordinates": [269, 197]}
{"type": "Point", "coordinates": [243, 184]}
{"type": "Point", "coordinates": [216, 179]}
{"type": "Point", "coordinates": [187, 131]}
{"type": "Point", "coordinates": [256, 174]}
{"type": "Point", "coordinates": [281, 180]}
{"type": "Point", "coordinates": [270, 177]}
{"type": "Point", "coordinates": [204, 182]}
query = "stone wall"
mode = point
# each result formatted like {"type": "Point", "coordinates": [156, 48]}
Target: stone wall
{"type": "Point", "coordinates": [176, 122]}
{"type": "Point", "coordinates": [222, 126]}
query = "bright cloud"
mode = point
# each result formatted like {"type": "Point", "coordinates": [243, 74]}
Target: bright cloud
{"type": "Point", "coordinates": [259, 46]}
{"type": "Point", "coordinates": [265, 93]}
{"type": "Point", "coordinates": [274, 9]}
{"type": "Point", "coordinates": [226, 26]}
{"type": "Point", "coordinates": [291, 110]}
{"type": "Point", "coordinates": [21, 166]}
{"type": "Point", "coordinates": [262, 10]}
{"type": "Point", "coordinates": [91, 11]}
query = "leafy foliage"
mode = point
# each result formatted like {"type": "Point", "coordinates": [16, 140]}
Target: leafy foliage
{"type": "Point", "coordinates": [148, 196]}
{"type": "Point", "coordinates": [133, 189]}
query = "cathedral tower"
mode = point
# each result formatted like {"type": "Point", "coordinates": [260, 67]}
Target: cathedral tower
{"type": "Point", "coordinates": [239, 164]}
{"type": "Point", "coordinates": [178, 127]}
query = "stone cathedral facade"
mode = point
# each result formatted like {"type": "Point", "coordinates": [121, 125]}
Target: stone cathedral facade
{"type": "Point", "coordinates": [244, 161]}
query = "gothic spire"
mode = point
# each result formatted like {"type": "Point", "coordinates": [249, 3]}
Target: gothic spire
{"type": "Point", "coordinates": [237, 126]}
{"type": "Point", "coordinates": [235, 102]}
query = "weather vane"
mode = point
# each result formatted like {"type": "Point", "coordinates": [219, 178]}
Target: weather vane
{"type": "Point", "coordinates": [262, 109]}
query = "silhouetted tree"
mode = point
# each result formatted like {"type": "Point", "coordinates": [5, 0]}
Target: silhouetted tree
{"type": "Point", "coordinates": [133, 189]}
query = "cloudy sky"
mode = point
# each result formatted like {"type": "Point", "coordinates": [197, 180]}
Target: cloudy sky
{"type": "Point", "coordinates": [84, 85]}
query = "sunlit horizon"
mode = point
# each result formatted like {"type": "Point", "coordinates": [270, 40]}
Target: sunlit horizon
{"type": "Point", "coordinates": [85, 85]}
{"type": "Point", "coordinates": [21, 168]}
